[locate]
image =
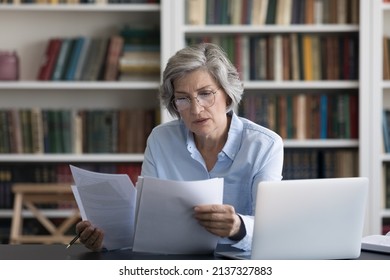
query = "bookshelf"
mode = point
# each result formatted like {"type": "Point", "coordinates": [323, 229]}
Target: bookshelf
{"type": "Point", "coordinates": [380, 221]}
{"type": "Point", "coordinates": [30, 36]}
{"type": "Point", "coordinates": [26, 29]}
{"type": "Point", "coordinates": [223, 28]}
{"type": "Point", "coordinates": [357, 26]}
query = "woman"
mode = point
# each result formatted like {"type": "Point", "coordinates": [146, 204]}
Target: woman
{"type": "Point", "coordinates": [201, 88]}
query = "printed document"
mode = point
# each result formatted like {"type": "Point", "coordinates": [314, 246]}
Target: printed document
{"type": "Point", "coordinates": [165, 222]}
{"type": "Point", "coordinates": [108, 201]}
{"type": "Point", "coordinates": [156, 216]}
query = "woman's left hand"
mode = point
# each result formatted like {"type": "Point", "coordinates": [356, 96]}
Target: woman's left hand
{"type": "Point", "coordinates": [221, 220]}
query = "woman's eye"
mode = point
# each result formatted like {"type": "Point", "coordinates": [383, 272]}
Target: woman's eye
{"type": "Point", "coordinates": [205, 93]}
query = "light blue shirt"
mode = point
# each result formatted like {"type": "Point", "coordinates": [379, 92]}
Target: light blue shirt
{"type": "Point", "coordinates": [252, 154]}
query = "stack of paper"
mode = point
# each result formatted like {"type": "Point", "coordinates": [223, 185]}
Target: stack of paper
{"type": "Point", "coordinates": [157, 216]}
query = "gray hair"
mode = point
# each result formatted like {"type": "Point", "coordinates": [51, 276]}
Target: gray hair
{"type": "Point", "coordinates": [205, 56]}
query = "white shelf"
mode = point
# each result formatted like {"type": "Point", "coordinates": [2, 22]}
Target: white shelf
{"type": "Point", "coordinates": [386, 84]}
{"type": "Point", "coordinates": [301, 84]}
{"type": "Point", "coordinates": [81, 7]}
{"type": "Point", "coordinates": [385, 213]}
{"type": "Point", "coordinates": [50, 213]}
{"type": "Point", "coordinates": [321, 143]}
{"type": "Point", "coordinates": [385, 158]}
{"type": "Point", "coordinates": [71, 158]}
{"type": "Point", "coordinates": [248, 29]}
{"type": "Point", "coordinates": [95, 85]}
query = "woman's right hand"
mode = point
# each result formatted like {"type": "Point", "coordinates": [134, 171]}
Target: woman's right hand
{"type": "Point", "coordinates": [90, 236]}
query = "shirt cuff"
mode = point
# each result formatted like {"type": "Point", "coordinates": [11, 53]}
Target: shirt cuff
{"type": "Point", "coordinates": [246, 242]}
{"type": "Point", "coordinates": [241, 232]}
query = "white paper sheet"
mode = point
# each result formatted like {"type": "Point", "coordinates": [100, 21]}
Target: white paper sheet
{"type": "Point", "coordinates": [165, 222]}
{"type": "Point", "coordinates": [108, 201]}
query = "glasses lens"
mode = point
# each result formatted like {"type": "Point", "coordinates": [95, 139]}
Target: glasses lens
{"type": "Point", "coordinates": [181, 104]}
{"type": "Point", "coordinates": [206, 98]}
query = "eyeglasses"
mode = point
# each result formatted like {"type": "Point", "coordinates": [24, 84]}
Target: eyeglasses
{"type": "Point", "coordinates": [205, 98]}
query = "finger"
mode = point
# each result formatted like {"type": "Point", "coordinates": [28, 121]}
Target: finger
{"type": "Point", "coordinates": [212, 208]}
{"type": "Point", "coordinates": [95, 240]}
{"type": "Point", "coordinates": [215, 225]}
{"type": "Point", "coordinates": [86, 234]}
{"type": "Point", "coordinates": [81, 226]}
{"type": "Point", "coordinates": [214, 217]}
{"type": "Point", "coordinates": [218, 232]}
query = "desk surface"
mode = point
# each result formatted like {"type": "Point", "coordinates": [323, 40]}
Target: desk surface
{"type": "Point", "coordinates": [79, 252]}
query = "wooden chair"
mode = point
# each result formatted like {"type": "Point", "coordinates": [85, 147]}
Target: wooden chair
{"type": "Point", "coordinates": [29, 196]}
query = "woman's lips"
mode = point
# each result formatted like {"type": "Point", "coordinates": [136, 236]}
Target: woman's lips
{"type": "Point", "coordinates": [200, 121]}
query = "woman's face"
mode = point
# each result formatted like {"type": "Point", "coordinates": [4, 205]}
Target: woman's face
{"type": "Point", "coordinates": [202, 121]}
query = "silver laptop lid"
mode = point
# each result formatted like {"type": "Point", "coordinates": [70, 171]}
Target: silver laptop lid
{"type": "Point", "coordinates": [309, 219]}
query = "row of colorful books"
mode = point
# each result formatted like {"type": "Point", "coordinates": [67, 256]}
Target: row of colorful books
{"type": "Point", "coordinates": [320, 163]}
{"type": "Point", "coordinates": [305, 116]}
{"type": "Point", "coordinates": [290, 56]}
{"type": "Point", "coordinates": [54, 173]}
{"type": "Point", "coordinates": [100, 58]}
{"type": "Point", "coordinates": [281, 12]}
{"type": "Point", "coordinates": [40, 131]}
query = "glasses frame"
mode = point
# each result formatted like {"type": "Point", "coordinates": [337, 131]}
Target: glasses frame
{"type": "Point", "coordinates": [189, 99]}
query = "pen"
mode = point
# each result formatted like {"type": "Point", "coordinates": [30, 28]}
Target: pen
{"type": "Point", "coordinates": [73, 240]}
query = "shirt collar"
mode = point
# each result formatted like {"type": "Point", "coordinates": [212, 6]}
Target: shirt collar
{"type": "Point", "coordinates": [233, 142]}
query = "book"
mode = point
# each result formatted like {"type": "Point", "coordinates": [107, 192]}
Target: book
{"type": "Point", "coordinates": [4, 139]}
{"type": "Point", "coordinates": [386, 58]}
{"type": "Point", "coordinates": [278, 58]}
{"type": "Point", "coordinates": [271, 12]}
{"type": "Point", "coordinates": [37, 131]}
{"type": "Point", "coordinates": [323, 116]}
{"type": "Point", "coordinates": [140, 62]}
{"type": "Point", "coordinates": [196, 12]}
{"type": "Point", "coordinates": [73, 59]}
{"type": "Point", "coordinates": [386, 130]}
{"type": "Point", "coordinates": [25, 125]}
{"type": "Point", "coordinates": [295, 65]}
{"type": "Point", "coordinates": [14, 131]}
{"type": "Point", "coordinates": [270, 58]}
{"type": "Point", "coordinates": [60, 65]}
{"type": "Point", "coordinates": [82, 58]}
{"type": "Point", "coordinates": [309, 12]}
{"type": "Point", "coordinates": [94, 62]}
{"type": "Point", "coordinates": [259, 12]}
{"type": "Point", "coordinates": [318, 11]}
{"type": "Point", "coordinates": [114, 52]}
{"type": "Point", "coordinates": [316, 57]}
{"type": "Point", "coordinates": [301, 116]}
{"type": "Point", "coordinates": [286, 58]}
{"type": "Point", "coordinates": [49, 60]}
{"type": "Point", "coordinates": [307, 57]}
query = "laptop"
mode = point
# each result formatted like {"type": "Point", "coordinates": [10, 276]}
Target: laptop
{"type": "Point", "coordinates": [308, 219]}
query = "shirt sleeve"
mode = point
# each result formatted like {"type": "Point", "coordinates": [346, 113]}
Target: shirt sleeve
{"type": "Point", "coordinates": [148, 164]}
{"type": "Point", "coordinates": [272, 171]}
